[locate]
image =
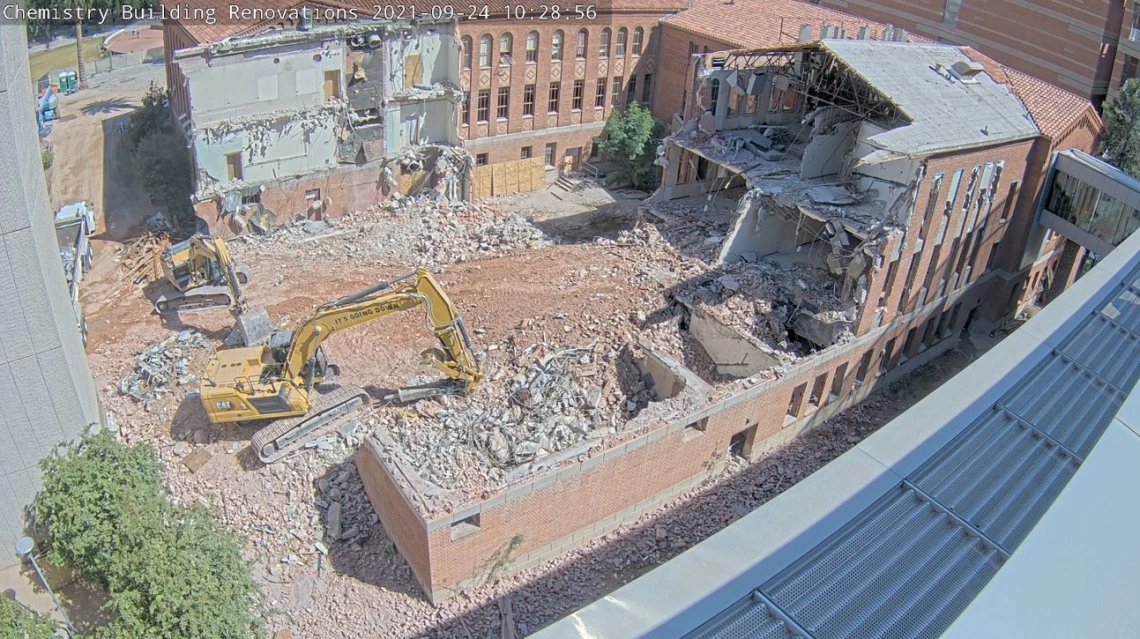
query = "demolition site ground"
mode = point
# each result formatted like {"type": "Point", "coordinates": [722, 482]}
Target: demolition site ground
{"type": "Point", "coordinates": [562, 300]}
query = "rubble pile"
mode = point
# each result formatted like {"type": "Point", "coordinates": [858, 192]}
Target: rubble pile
{"type": "Point", "coordinates": [765, 299]}
{"type": "Point", "coordinates": [161, 364]}
{"type": "Point", "coordinates": [542, 401]}
{"type": "Point", "coordinates": [416, 230]}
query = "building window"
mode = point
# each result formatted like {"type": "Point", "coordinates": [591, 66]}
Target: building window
{"type": "Point", "coordinates": [483, 108]}
{"type": "Point", "coordinates": [555, 94]}
{"type": "Point", "coordinates": [952, 194]}
{"type": "Point", "coordinates": [532, 46]}
{"type": "Point", "coordinates": [837, 380]}
{"type": "Point", "coordinates": [525, 153]}
{"type": "Point", "coordinates": [551, 148]}
{"type": "Point", "coordinates": [991, 261]}
{"type": "Point", "coordinates": [1129, 70]}
{"type": "Point", "coordinates": [233, 166]}
{"type": "Point", "coordinates": [911, 274]}
{"type": "Point", "coordinates": [528, 99]}
{"type": "Point", "coordinates": [467, 107]}
{"type": "Point", "coordinates": [583, 41]}
{"type": "Point", "coordinates": [796, 400]}
{"type": "Point", "coordinates": [631, 93]}
{"type": "Point", "coordinates": [604, 44]}
{"type": "Point", "coordinates": [646, 89]}
{"type": "Point", "coordinates": [468, 54]}
{"type": "Point", "coordinates": [638, 33]}
{"type": "Point", "coordinates": [692, 50]}
{"type": "Point", "coordinates": [1010, 199]}
{"type": "Point", "coordinates": [714, 95]}
{"type": "Point", "coordinates": [622, 35]}
{"type": "Point", "coordinates": [485, 51]}
{"type": "Point", "coordinates": [465, 527]}
{"type": "Point", "coordinates": [616, 94]}
{"type": "Point", "coordinates": [950, 9]}
{"type": "Point", "coordinates": [932, 199]}
{"type": "Point", "coordinates": [504, 105]}
{"type": "Point", "coordinates": [481, 159]}
{"type": "Point", "coordinates": [594, 150]}
{"type": "Point", "coordinates": [556, 46]}
{"type": "Point", "coordinates": [505, 44]}
{"type": "Point", "coordinates": [600, 93]}
{"type": "Point", "coordinates": [579, 89]}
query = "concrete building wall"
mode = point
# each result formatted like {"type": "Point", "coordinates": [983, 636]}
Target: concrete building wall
{"type": "Point", "coordinates": [46, 392]}
{"type": "Point", "coordinates": [281, 148]}
{"type": "Point", "coordinates": [675, 66]}
{"type": "Point", "coordinates": [1069, 44]}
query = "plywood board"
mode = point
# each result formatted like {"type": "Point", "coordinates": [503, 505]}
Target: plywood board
{"type": "Point", "coordinates": [482, 182]}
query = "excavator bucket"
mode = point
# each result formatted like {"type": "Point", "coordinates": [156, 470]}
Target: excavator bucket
{"type": "Point", "coordinates": [254, 326]}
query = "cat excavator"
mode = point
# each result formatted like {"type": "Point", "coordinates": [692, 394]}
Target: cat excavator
{"type": "Point", "coordinates": [278, 381]}
{"type": "Point", "coordinates": [201, 268]}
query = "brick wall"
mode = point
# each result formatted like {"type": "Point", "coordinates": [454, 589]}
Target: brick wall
{"type": "Point", "coordinates": [502, 139]}
{"type": "Point", "coordinates": [673, 63]}
{"type": "Point", "coordinates": [403, 524]}
{"type": "Point", "coordinates": [574, 503]}
{"type": "Point", "coordinates": [1071, 45]}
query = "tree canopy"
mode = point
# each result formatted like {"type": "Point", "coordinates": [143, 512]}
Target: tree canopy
{"type": "Point", "coordinates": [1122, 129]}
{"type": "Point", "coordinates": [630, 141]}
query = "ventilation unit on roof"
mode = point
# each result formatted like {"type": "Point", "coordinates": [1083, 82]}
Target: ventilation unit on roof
{"type": "Point", "coordinates": [966, 71]}
{"type": "Point", "coordinates": [806, 31]}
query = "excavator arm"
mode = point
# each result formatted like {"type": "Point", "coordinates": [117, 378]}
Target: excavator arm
{"type": "Point", "coordinates": [455, 359]}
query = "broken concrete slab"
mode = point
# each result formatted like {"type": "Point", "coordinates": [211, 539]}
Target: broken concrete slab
{"type": "Point", "coordinates": [197, 459]}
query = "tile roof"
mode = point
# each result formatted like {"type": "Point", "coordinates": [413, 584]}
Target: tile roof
{"type": "Point", "coordinates": [751, 24]}
{"type": "Point", "coordinates": [945, 114]}
{"type": "Point", "coordinates": [1055, 110]}
{"type": "Point", "coordinates": [227, 27]}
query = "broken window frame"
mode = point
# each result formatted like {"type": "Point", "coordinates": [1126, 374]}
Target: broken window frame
{"type": "Point", "coordinates": [604, 43]}
{"type": "Point", "coordinates": [483, 106]}
{"type": "Point", "coordinates": [532, 47]}
{"type": "Point", "coordinates": [600, 93]}
{"type": "Point", "coordinates": [583, 42]}
{"type": "Point", "coordinates": [556, 42]}
{"type": "Point", "coordinates": [506, 49]}
{"type": "Point", "coordinates": [529, 92]}
{"type": "Point", "coordinates": [503, 104]}
{"type": "Point", "coordinates": [485, 45]}
{"type": "Point", "coordinates": [468, 54]}
{"type": "Point", "coordinates": [638, 35]}
{"type": "Point", "coordinates": [619, 48]}
{"type": "Point", "coordinates": [555, 96]}
{"type": "Point", "coordinates": [579, 90]}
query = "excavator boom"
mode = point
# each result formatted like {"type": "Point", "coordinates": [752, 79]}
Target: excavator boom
{"type": "Point", "coordinates": [278, 381]}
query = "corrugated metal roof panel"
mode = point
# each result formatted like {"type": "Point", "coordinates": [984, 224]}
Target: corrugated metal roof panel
{"type": "Point", "coordinates": [1124, 309]}
{"type": "Point", "coordinates": [1066, 402]}
{"type": "Point", "coordinates": [1107, 349]}
{"type": "Point", "coordinates": [999, 475]}
{"type": "Point", "coordinates": [902, 569]}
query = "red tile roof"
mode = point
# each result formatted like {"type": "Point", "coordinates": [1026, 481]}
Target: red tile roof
{"type": "Point", "coordinates": [226, 27]}
{"type": "Point", "coordinates": [1055, 110]}
{"type": "Point", "coordinates": [750, 24]}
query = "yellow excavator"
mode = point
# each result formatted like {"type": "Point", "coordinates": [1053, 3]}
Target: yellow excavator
{"type": "Point", "coordinates": [201, 268]}
{"type": "Point", "coordinates": [278, 381]}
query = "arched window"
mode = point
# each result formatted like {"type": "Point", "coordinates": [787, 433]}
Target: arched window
{"type": "Point", "coordinates": [637, 35]}
{"type": "Point", "coordinates": [622, 35]}
{"type": "Point", "coordinates": [556, 45]}
{"type": "Point", "coordinates": [583, 41]}
{"type": "Point", "coordinates": [505, 44]}
{"type": "Point", "coordinates": [714, 95]}
{"type": "Point", "coordinates": [604, 44]}
{"type": "Point", "coordinates": [532, 46]}
{"type": "Point", "coordinates": [467, 53]}
{"type": "Point", "coordinates": [485, 51]}
{"type": "Point", "coordinates": [652, 46]}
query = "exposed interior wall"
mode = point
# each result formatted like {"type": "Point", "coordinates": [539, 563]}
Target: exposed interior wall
{"type": "Point", "coordinates": [417, 123]}
{"type": "Point", "coordinates": [253, 83]}
{"type": "Point", "coordinates": [828, 150]}
{"type": "Point", "coordinates": [271, 150]}
{"type": "Point", "coordinates": [731, 352]}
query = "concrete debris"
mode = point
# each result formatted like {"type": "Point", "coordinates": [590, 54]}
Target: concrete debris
{"type": "Point", "coordinates": [162, 364]}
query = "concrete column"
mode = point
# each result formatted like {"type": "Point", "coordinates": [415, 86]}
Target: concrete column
{"type": "Point", "coordinates": [46, 392]}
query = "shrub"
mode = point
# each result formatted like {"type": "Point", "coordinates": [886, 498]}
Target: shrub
{"type": "Point", "coordinates": [630, 141]}
{"type": "Point", "coordinates": [152, 117]}
{"type": "Point", "coordinates": [172, 572]}
{"type": "Point", "coordinates": [17, 622]}
{"type": "Point", "coordinates": [47, 156]}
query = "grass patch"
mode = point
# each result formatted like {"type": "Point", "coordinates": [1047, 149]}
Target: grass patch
{"type": "Point", "coordinates": [62, 57]}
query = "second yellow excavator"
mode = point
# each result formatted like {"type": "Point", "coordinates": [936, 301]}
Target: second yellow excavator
{"type": "Point", "coordinates": [278, 381]}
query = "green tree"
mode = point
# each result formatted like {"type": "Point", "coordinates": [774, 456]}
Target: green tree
{"type": "Point", "coordinates": [17, 622]}
{"type": "Point", "coordinates": [1122, 129]}
{"type": "Point", "coordinates": [630, 141]}
{"type": "Point", "coordinates": [161, 161]}
{"type": "Point", "coordinates": [171, 571]}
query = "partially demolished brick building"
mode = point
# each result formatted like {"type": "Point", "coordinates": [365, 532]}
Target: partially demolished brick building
{"type": "Point", "coordinates": [876, 187]}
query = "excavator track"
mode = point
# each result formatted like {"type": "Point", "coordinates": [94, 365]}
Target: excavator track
{"type": "Point", "coordinates": [196, 299]}
{"type": "Point", "coordinates": [283, 436]}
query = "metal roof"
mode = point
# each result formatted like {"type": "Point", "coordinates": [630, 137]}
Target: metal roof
{"type": "Point", "coordinates": [946, 113]}
{"type": "Point", "coordinates": [898, 536]}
